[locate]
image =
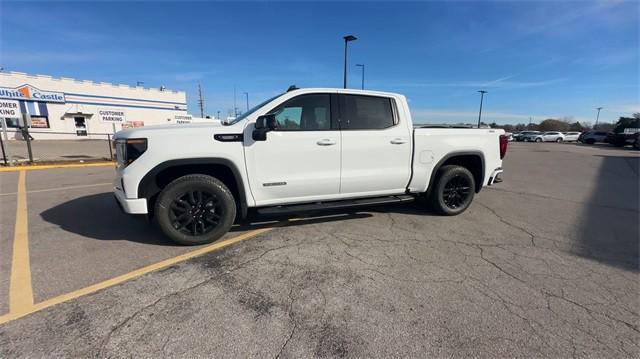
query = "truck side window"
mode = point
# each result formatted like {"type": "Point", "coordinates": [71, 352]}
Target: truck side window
{"type": "Point", "coordinates": [365, 112]}
{"type": "Point", "coordinates": [304, 113]}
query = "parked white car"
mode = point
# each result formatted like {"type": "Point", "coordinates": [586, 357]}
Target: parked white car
{"type": "Point", "coordinates": [303, 150]}
{"type": "Point", "coordinates": [550, 136]}
{"type": "Point", "coordinates": [571, 136]}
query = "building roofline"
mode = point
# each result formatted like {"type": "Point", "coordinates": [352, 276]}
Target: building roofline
{"type": "Point", "coordinates": [88, 82]}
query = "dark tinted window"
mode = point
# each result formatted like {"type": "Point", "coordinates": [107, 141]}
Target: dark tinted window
{"type": "Point", "coordinates": [305, 112]}
{"type": "Point", "coordinates": [365, 112]}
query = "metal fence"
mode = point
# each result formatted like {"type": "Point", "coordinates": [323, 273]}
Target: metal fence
{"type": "Point", "coordinates": [46, 147]}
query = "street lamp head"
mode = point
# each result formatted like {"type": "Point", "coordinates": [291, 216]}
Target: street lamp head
{"type": "Point", "coordinates": [599, 108]}
{"type": "Point", "coordinates": [360, 65]}
{"type": "Point", "coordinates": [482, 91]}
{"type": "Point", "coordinates": [350, 38]}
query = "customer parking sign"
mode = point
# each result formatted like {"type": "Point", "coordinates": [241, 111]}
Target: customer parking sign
{"type": "Point", "coordinates": [10, 109]}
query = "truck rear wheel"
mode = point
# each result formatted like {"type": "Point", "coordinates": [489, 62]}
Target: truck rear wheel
{"type": "Point", "coordinates": [195, 209]}
{"type": "Point", "coordinates": [453, 190]}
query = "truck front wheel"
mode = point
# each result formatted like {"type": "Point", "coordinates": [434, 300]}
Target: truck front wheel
{"type": "Point", "coordinates": [195, 209]}
{"type": "Point", "coordinates": [453, 190]}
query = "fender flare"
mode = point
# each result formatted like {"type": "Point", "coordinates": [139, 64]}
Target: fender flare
{"type": "Point", "coordinates": [148, 186]}
{"type": "Point", "coordinates": [450, 155]}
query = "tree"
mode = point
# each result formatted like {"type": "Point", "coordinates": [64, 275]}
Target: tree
{"type": "Point", "coordinates": [576, 127]}
{"type": "Point", "coordinates": [627, 122]}
{"type": "Point", "coordinates": [604, 127]}
{"type": "Point", "coordinates": [520, 127]}
{"type": "Point", "coordinates": [551, 124]}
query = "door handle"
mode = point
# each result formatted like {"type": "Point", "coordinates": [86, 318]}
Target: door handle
{"type": "Point", "coordinates": [326, 142]}
{"type": "Point", "coordinates": [398, 141]}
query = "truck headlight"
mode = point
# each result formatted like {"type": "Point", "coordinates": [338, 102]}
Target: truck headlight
{"type": "Point", "coordinates": [129, 149]}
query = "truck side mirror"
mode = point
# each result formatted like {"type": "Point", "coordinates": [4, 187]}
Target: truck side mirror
{"type": "Point", "coordinates": [267, 122]}
{"type": "Point", "coordinates": [264, 124]}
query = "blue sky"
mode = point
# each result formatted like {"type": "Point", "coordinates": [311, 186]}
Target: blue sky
{"type": "Point", "coordinates": [540, 59]}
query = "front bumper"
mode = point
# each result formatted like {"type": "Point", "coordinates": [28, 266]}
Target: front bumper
{"type": "Point", "coordinates": [130, 205]}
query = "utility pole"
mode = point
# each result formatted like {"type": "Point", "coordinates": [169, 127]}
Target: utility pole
{"type": "Point", "coordinates": [347, 39]}
{"type": "Point", "coordinates": [200, 101]}
{"type": "Point", "coordinates": [597, 116]}
{"type": "Point", "coordinates": [219, 115]}
{"type": "Point", "coordinates": [482, 92]}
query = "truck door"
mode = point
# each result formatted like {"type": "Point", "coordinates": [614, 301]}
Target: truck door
{"type": "Point", "coordinates": [376, 146]}
{"type": "Point", "coordinates": [300, 160]}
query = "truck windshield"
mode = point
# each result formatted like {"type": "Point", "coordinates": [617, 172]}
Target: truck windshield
{"type": "Point", "coordinates": [252, 110]}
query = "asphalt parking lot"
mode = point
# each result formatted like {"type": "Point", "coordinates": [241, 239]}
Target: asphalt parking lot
{"type": "Point", "coordinates": [544, 264]}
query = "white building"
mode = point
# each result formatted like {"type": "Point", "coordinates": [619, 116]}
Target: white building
{"type": "Point", "coordinates": [63, 108]}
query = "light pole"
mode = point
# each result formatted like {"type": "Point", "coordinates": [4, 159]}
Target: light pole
{"type": "Point", "coordinates": [597, 117]}
{"type": "Point", "coordinates": [218, 114]}
{"type": "Point", "coordinates": [362, 65]}
{"type": "Point", "coordinates": [347, 39]}
{"type": "Point", "coordinates": [235, 106]}
{"type": "Point", "coordinates": [482, 92]}
{"type": "Point", "coordinates": [247, 94]}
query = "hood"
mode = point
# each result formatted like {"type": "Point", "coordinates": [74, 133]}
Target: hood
{"type": "Point", "coordinates": [175, 130]}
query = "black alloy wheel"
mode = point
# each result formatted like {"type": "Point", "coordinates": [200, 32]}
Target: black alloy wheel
{"type": "Point", "coordinates": [196, 212]}
{"type": "Point", "coordinates": [195, 209]}
{"type": "Point", "coordinates": [453, 190]}
{"type": "Point", "coordinates": [456, 192]}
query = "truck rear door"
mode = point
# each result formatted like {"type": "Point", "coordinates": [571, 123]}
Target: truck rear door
{"type": "Point", "coordinates": [376, 146]}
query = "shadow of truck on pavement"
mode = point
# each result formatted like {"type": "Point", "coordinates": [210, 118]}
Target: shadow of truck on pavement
{"type": "Point", "coordinates": [610, 223]}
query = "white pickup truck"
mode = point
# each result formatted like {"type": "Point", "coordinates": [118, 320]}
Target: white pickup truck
{"type": "Point", "coordinates": [303, 150]}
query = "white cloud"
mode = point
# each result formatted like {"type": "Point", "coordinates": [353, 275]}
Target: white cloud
{"type": "Point", "coordinates": [498, 83]}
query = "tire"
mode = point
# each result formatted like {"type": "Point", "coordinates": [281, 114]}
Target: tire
{"type": "Point", "coordinates": [453, 190]}
{"type": "Point", "coordinates": [538, 140]}
{"type": "Point", "coordinates": [589, 141]}
{"type": "Point", "coordinates": [204, 203]}
{"type": "Point", "coordinates": [636, 144]}
{"type": "Point", "coordinates": [559, 140]}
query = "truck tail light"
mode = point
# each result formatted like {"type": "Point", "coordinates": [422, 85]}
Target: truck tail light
{"type": "Point", "coordinates": [504, 141]}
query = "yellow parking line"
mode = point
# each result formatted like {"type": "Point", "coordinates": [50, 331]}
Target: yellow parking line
{"type": "Point", "coordinates": [20, 291]}
{"type": "Point", "coordinates": [62, 188]}
{"type": "Point", "coordinates": [62, 165]}
{"type": "Point", "coordinates": [127, 276]}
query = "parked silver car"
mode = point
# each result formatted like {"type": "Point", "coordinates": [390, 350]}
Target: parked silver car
{"type": "Point", "coordinates": [524, 135]}
{"type": "Point", "coordinates": [549, 136]}
{"type": "Point", "coordinates": [571, 136]}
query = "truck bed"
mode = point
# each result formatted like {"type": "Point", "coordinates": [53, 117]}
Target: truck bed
{"type": "Point", "coordinates": [434, 145]}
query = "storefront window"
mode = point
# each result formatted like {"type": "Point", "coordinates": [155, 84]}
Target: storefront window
{"type": "Point", "coordinates": [11, 122]}
{"type": "Point", "coordinates": [36, 122]}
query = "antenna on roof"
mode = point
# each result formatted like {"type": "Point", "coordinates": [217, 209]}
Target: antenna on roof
{"type": "Point", "coordinates": [292, 87]}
